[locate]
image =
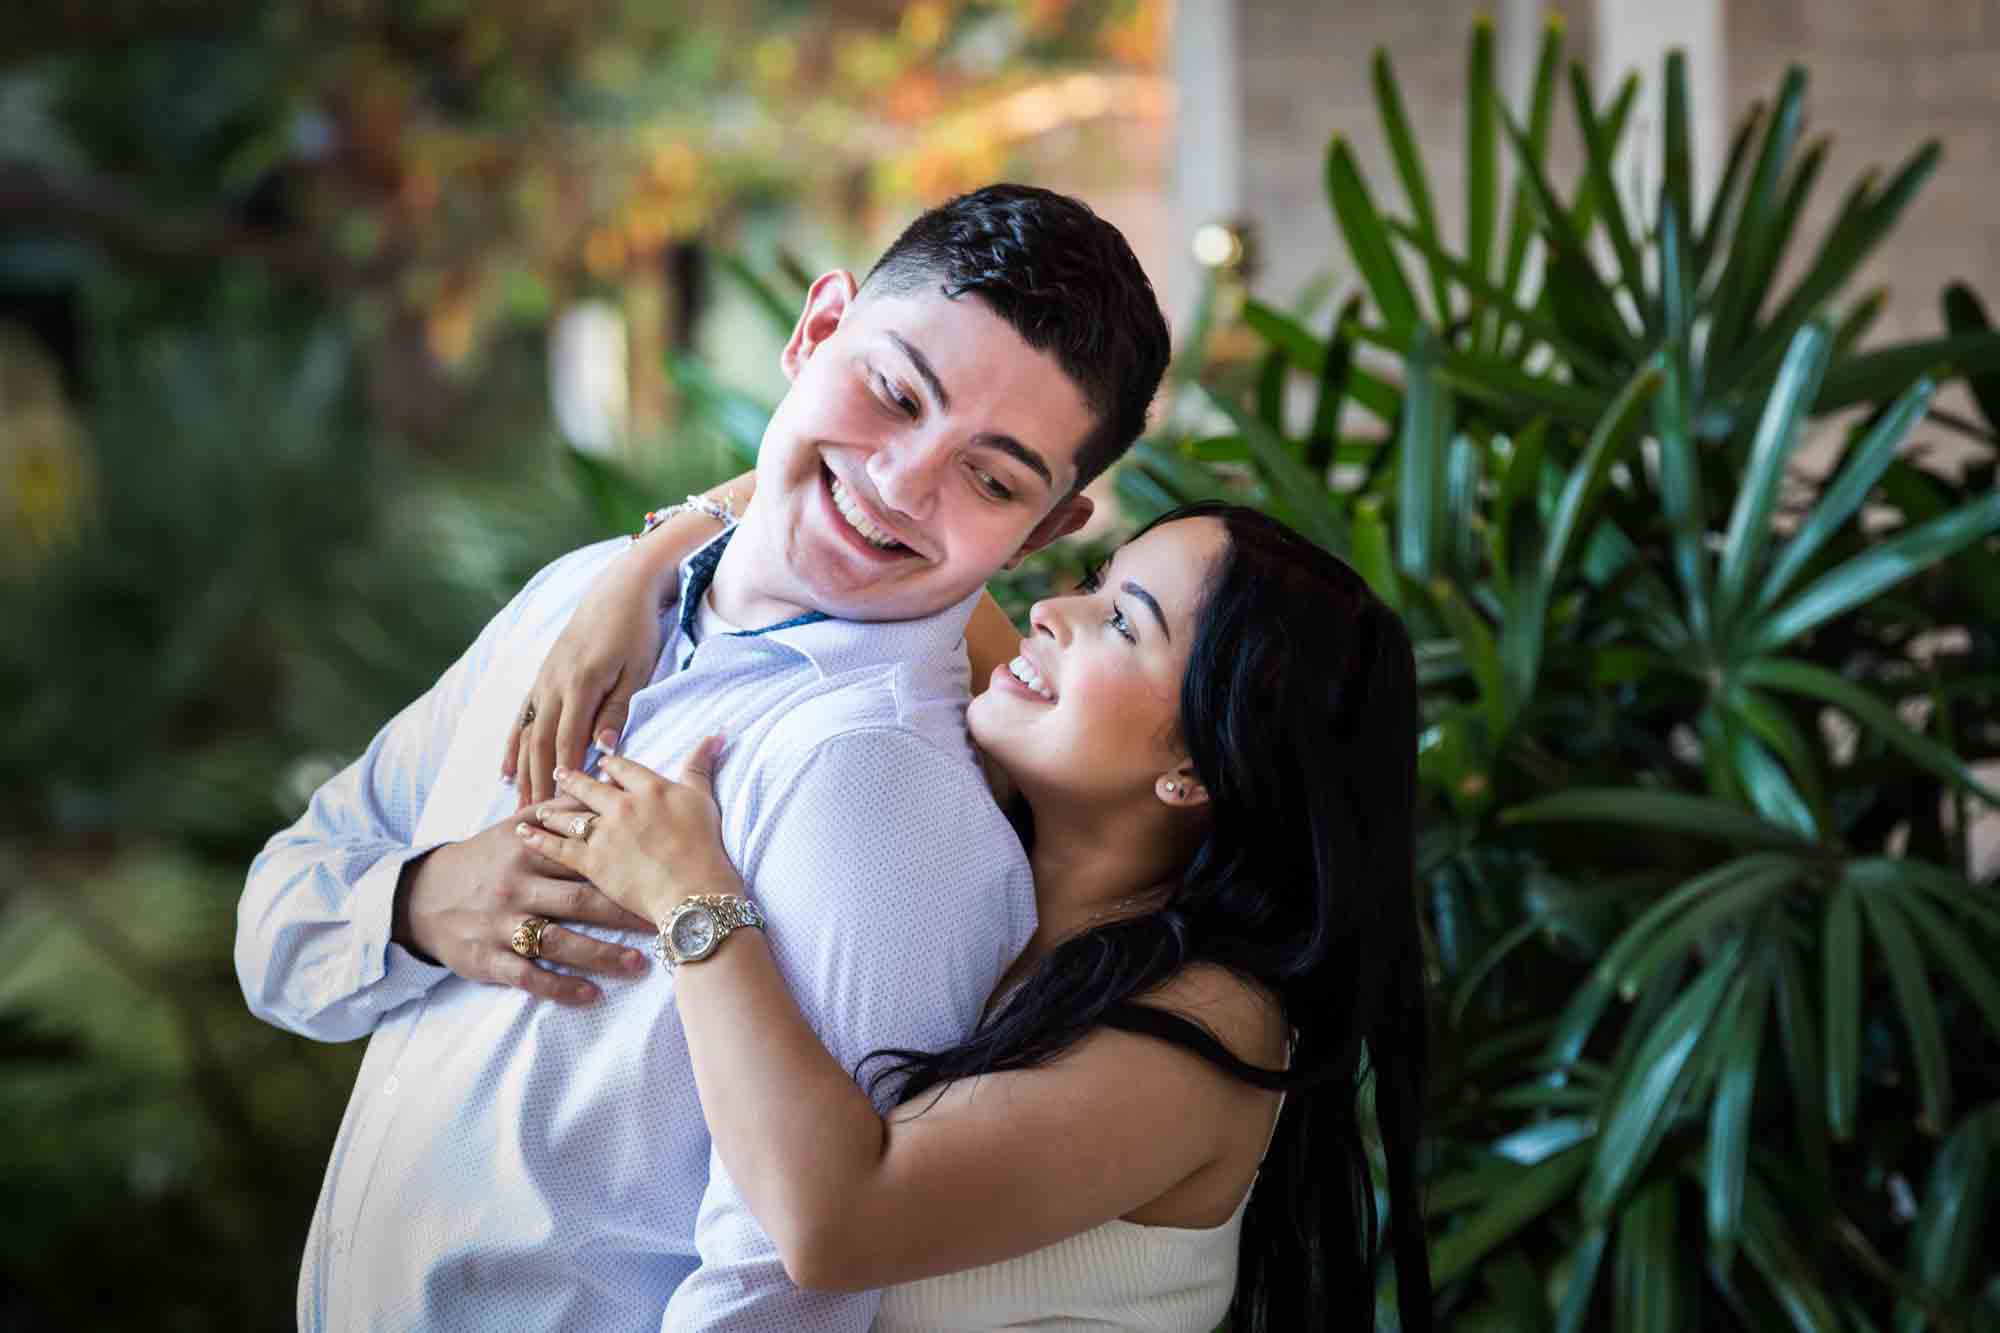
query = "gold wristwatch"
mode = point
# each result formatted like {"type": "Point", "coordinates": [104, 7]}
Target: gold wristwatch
{"type": "Point", "coordinates": [695, 928]}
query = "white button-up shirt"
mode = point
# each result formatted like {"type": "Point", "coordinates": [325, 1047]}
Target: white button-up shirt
{"type": "Point", "coordinates": [507, 1163]}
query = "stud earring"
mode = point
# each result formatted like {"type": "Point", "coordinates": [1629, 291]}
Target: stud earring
{"type": "Point", "coordinates": [1173, 789]}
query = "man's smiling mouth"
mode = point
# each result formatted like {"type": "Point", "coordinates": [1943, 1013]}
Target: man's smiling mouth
{"type": "Point", "coordinates": [850, 509]}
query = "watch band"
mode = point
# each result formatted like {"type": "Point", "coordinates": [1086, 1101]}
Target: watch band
{"type": "Point", "coordinates": [727, 911]}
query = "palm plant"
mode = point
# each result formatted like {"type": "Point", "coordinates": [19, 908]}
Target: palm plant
{"type": "Point", "coordinates": [1721, 1011]}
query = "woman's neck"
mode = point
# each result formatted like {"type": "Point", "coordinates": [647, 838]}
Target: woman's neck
{"type": "Point", "coordinates": [1092, 867]}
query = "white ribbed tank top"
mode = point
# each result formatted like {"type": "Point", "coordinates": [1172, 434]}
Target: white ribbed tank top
{"type": "Point", "coordinates": [1119, 1275]}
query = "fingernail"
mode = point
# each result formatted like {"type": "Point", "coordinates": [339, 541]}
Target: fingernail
{"type": "Point", "coordinates": [584, 991]}
{"type": "Point", "coordinates": [561, 772]}
{"type": "Point", "coordinates": [521, 829]}
{"type": "Point", "coordinates": [635, 961]}
{"type": "Point", "coordinates": [607, 740]}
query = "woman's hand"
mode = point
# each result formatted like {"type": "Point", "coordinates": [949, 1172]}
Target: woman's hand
{"type": "Point", "coordinates": [649, 842]}
{"type": "Point", "coordinates": [608, 650]}
{"type": "Point", "coordinates": [584, 690]}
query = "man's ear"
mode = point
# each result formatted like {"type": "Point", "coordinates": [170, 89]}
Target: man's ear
{"type": "Point", "coordinates": [827, 303]}
{"type": "Point", "coordinates": [1065, 518]}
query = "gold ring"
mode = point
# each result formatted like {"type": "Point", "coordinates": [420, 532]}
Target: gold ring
{"type": "Point", "coordinates": [527, 939]}
{"type": "Point", "coordinates": [579, 828]}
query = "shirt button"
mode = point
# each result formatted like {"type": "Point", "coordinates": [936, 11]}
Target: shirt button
{"type": "Point", "coordinates": [389, 1088]}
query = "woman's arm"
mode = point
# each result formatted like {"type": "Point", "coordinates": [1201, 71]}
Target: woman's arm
{"type": "Point", "coordinates": [995, 1167]}
{"type": "Point", "coordinates": [607, 651]}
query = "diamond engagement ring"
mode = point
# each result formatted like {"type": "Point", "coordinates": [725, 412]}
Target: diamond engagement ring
{"type": "Point", "coordinates": [528, 714]}
{"type": "Point", "coordinates": [527, 939]}
{"type": "Point", "coordinates": [579, 828]}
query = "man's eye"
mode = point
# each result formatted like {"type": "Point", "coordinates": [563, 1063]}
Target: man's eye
{"type": "Point", "coordinates": [991, 484]}
{"type": "Point", "coordinates": [895, 397]}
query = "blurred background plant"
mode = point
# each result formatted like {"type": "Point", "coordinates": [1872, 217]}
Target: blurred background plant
{"type": "Point", "coordinates": [1709, 859]}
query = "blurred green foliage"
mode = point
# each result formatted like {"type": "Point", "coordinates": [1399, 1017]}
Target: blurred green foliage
{"type": "Point", "coordinates": [259, 582]}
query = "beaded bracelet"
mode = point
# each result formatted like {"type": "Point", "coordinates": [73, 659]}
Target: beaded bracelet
{"type": "Point", "coordinates": [721, 511]}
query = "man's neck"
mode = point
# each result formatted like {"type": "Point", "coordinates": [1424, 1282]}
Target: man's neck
{"type": "Point", "coordinates": [737, 592]}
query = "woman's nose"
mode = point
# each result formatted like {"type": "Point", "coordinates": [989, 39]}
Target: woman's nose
{"type": "Point", "coordinates": [1048, 617]}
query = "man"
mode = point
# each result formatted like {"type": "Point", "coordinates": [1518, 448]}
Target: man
{"type": "Point", "coordinates": [506, 1163]}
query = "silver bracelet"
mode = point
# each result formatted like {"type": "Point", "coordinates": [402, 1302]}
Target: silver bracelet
{"type": "Point", "coordinates": [721, 511]}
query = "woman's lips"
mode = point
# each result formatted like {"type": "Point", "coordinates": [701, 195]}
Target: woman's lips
{"type": "Point", "coordinates": [1005, 681]}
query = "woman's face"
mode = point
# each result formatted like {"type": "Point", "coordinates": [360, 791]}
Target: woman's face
{"type": "Point", "coordinates": [1087, 712]}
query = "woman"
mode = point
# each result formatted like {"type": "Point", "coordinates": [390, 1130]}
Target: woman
{"type": "Point", "coordinates": [1211, 746]}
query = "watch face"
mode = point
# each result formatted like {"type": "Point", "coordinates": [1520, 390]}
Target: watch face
{"type": "Point", "coordinates": [693, 932]}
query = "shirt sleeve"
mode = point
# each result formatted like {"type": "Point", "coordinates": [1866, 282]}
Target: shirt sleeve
{"type": "Point", "coordinates": [313, 952]}
{"type": "Point", "coordinates": [894, 890]}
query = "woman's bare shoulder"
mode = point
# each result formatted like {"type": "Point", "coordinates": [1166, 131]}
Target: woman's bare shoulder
{"type": "Point", "coordinates": [1241, 1014]}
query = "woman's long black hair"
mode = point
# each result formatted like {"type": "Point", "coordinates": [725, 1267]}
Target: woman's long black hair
{"type": "Point", "coordinates": [1299, 716]}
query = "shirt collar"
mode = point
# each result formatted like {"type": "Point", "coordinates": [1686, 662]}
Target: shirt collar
{"type": "Point", "coordinates": [832, 645]}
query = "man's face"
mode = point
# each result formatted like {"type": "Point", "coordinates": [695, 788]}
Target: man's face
{"type": "Point", "coordinates": [921, 446]}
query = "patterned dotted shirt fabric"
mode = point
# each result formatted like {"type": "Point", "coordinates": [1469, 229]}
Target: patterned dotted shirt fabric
{"type": "Point", "coordinates": [508, 1164]}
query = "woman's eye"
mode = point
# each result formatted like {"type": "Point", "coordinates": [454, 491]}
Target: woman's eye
{"type": "Point", "coordinates": [1118, 622]}
{"type": "Point", "coordinates": [1093, 579]}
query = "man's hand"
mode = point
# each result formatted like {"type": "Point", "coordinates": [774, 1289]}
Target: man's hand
{"type": "Point", "coordinates": [460, 904]}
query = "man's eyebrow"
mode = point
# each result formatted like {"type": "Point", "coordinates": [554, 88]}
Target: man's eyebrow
{"type": "Point", "coordinates": [1151, 605]}
{"type": "Point", "coordinates": [923, 365]}
{"type": "Point", "coordinates": [1020, 453]}
{"type": "Point", "coordinates": [1006, 444]}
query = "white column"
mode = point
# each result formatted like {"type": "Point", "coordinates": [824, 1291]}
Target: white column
{"type": "Point", "coordinates": [1208, 129]}
{"type": "Point", "coordinates": [1518, 39]}
{"type": "Point", "coordinates": [1636, 35]}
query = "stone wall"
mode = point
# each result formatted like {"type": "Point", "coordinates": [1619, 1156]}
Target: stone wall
{"type": "Point", "coordinates": [1886, 74]}
{"type": "Point", "coordinates": [1305, 74]}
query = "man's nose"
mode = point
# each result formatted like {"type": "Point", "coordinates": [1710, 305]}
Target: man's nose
{"type": "Point", "coordinates": [908, 472]}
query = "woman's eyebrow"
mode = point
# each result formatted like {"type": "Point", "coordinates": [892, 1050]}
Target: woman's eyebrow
{"type": "Point", "coordinates": [1151, 605]}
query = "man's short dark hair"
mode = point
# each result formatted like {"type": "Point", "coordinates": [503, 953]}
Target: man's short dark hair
{"type": "Point", "coordinates": [1064, 279]}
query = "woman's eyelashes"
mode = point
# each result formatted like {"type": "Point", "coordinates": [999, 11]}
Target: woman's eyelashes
{"type": "Point", "coordinates": [1093, 580]}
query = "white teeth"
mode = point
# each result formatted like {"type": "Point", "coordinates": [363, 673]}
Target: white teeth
{"type": "Point", "coordinates": [1024, 671]}
{"type": "Point", "coordinates": [857, 520]}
